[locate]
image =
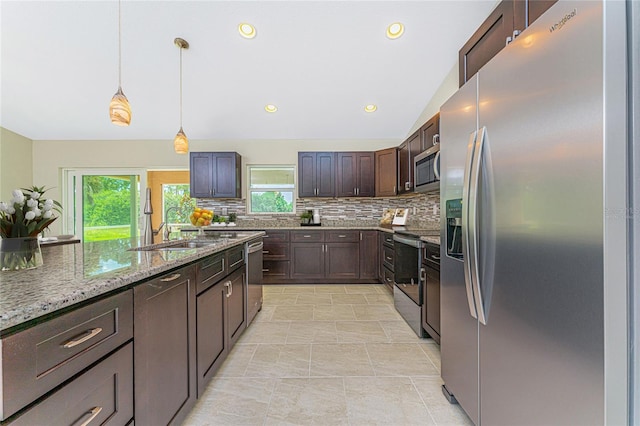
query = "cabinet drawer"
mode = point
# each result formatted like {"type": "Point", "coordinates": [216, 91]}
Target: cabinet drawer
{"type": "Point", "coordinates": [388, 255]}
{"type": "Point", "coordinates": [103, 395]}
{"type": "Point", "coordinates": [387, 238]}
{"type": "Point", "coordinates": [307, 237]}
{"type": "Point", "coordinates": [235, 257]}
{"type": "Point", "coordinates": [276, 236]}
{"type": "Point", "coordinates": [275, 251]}
{"type": "Point", "coordinates": [36, 360]}
{"type": "Point", "coordinates": [342, 236]}
{"type": "Point", "coordinates": [431, 256]}
{"type": "Point", "coordinates": [388, 278]}
{"type": "Point", "coordinates": [275, 269]}
{"type": "Point", "coordinates": [209, 271]}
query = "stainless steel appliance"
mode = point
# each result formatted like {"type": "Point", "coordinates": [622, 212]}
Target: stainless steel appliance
{"type": "Point", "coordinates": [254, 278]}
{"type": "Point", "coordinates": [426, 167]}
{"type": "Point", "coordinates": [533, 260]}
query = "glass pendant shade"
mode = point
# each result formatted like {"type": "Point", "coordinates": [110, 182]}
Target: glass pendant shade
{"type": "Point", "coordinates": [181, 143]}
{"type": "Point", "coordinates": [119, 109]}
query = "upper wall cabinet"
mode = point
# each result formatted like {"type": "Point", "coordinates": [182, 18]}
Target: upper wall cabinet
{"type": "Point", "coordinates": [355, 174]}
{"type": "Point", "coordinates": [215, 174]}
{"type": "Point", "coordinates": [317, 174]}
{"type": "Point", "coordinates": [430, 132]}
{"type": "Point", "coordinates": [386, 175]}
{"type": "Point", "coordinates": [508, 19]}
{"type": "Point", "coordinates": [406, 153]}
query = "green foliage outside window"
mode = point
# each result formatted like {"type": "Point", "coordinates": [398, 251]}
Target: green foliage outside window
{"type": "Point", "coordinates": [270, 201]}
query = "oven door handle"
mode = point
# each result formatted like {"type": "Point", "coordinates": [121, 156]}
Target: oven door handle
{"type": "Point", "coordinates": [408, 241]}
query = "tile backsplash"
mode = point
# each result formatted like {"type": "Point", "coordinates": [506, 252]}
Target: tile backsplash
{"type": "Point", "coordinates": [424, 210]}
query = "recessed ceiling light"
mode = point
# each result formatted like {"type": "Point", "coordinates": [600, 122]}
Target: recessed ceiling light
{"type": "Point", "coordinates": [370, 108]}
{"type": "Point", "coordinates": [395, 30]}
{"type": "Point", "coordinates": [246, 30]}
{"type": "Point", "coordinates": [270, 108]}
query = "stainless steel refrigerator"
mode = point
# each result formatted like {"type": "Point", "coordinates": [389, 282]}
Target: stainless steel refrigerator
{"type": "Point", "coordinates": [534, 257]}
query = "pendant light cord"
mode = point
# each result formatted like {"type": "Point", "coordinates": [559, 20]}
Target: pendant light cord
{"type": "Point", "coordinates": [180, 87]}
{"type": "Point", "coordinates": [119, 45]}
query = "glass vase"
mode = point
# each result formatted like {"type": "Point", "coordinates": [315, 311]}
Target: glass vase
{"type": "Point", "coordinates": [20, 253]}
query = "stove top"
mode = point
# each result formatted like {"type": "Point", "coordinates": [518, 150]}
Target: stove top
{"type": "Point", "coordinates": [418, 232]}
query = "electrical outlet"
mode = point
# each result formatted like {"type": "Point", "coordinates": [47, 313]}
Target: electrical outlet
{"type": "Point", "coordinates": [225, 211]}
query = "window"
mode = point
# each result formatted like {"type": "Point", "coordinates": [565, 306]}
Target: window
{"type": "Point", "coordinates": [177, 205]}
{"type": "Point", "coordinates": [271, 189]}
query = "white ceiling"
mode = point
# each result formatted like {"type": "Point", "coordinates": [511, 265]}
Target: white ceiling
{"type": "Point", "coordinates": [320, 62]}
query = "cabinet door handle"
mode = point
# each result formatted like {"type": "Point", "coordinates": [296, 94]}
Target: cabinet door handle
{"type": "Point", "coordinates": [423, 275]}
{"type": "Point", "coordinates": [89, 334]}
{"type": "Point", "coordinates": [360, 236]}
{"type": "Point", "coordinates": [342, 236]}
{"type": "Point", "coordinates": [355, 191]}
{"type": "Point", "coordinates": [388, 280]}
{"type": "Point", "coordinates": [394, 189]}
{"type": "Point", "coordinates": [306, 236]}
{"type": "Point", "coordinates": [229, 286]}
{"type": "Point", "coordinates": [265, 270]}
{"type": "Point", "coordinates": [388, 258]}
{"type": "Point", "coordinates": [93, 413]}
{"type": "Point", "coordinates": [265, 251]}
{"type": "Point", "coordinates": [213, 191]}
{"type": "Point", "coordinates": [170, 278]}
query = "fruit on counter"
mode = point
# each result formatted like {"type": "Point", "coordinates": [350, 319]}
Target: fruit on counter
{"type": "Point", "coordinates": [201, 217]}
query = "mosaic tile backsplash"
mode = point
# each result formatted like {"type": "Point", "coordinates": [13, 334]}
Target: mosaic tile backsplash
{"type": "Point", "coordinates": [424, 211]}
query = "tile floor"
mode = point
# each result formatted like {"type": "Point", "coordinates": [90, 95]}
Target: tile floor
{"type": "Point", "coordinates": [328, 355]}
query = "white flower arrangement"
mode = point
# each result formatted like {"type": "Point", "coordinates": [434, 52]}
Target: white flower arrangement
{"type": "Point", "coordinates": [27, 214]}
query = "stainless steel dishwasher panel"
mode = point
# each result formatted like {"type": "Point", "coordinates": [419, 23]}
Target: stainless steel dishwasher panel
{"type": "Point", "coordinates": [254, 278]}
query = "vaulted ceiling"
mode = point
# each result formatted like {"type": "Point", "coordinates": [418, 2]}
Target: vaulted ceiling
{"type": "Point", "coordinates": [319, 62]}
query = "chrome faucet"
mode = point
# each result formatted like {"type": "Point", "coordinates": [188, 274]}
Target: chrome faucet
{"type": "Point", "coordinates": [167, 228]}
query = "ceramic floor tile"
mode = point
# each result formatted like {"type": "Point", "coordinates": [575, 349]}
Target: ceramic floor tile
{"type": "Point", "coordinates": [348, 299]}
{"type": "Point", "coordinates": [330, 288]}
{"type": "Point", "coordinates": [340, 360]}
{"type": "Point", "coordinates": [233, 402]}
{"type": "Point", "coordinates": [279, 361]}
{"type": "Point", "coordinates": [312, 332]}
{"type": "Point", "coordinates": [319, 401]}
{"type": "Point", "coordinates": [279, 299]}
{"type": "Point", "coordinates": [360, 331]}
{"type": "Point", "coordinates": [361, 288]}
{"type": "Point", "coordinates": [379, 299]}
{"type": "Point", "coordinates": [385, 401]}
{"type": "Point", "coordinates": [272, 289]}
{"type": "Point", "coordinates": [264, 314]}
{"type": "Point", "coordinates": [294, 312]}
{"type": "Point", "coordinates": [237, 361]}
{"type": "Point", "coordinates": [376, 312]}
{"type": "Point", "coordinates": [400, 359]}
{"type": "Point", "coordinates": [399, 331]}
{"type": "Point", "coordinates": [432, 349]}
{"type": "Point", "coordinates": [266, 332]}
{"type": "Point", "coordinates": [441, 410]}
{"type": "Point", "coordinates": [297, 289]}
{"type": "Point", "coordinates": [333, 312]}
{"type": "Point", "coordinates": [314, 299]}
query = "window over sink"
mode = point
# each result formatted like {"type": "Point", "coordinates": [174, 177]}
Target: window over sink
{"type": "Point", "coordinates": [271, 189]}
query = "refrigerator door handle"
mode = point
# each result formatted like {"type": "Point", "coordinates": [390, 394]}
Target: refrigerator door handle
{"type": "Point", "coordinates": [472, 228]}
{"type": "Point", "coordinates": [466, 255]}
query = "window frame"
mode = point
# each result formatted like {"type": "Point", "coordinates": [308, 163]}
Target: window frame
{"type": "Point", "coordinates": [249, 190]}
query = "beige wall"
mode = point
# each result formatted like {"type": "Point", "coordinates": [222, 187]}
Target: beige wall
{"type": "Point", "coordinates": [448, 87]}
{"type": "Point", "coordinates": [50, 157]}
{"type": "Point", "coordinates": [16, 163]}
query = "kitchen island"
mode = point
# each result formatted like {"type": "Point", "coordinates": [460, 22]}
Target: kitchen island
{"type": "Point", "coordinates": [100, 325]}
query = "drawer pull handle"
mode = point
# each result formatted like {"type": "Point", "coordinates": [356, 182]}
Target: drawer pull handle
{"type": "Point", "coordinates": [89, 334]}
{"type": "Point", "coordinates": [342, 236]}
{"type": "Point", "coordinates": [435, 257]}
{"type": "Point", "coordinates": [388, 280]}
{"type": "Point", "coordinates": [306, 236]}
{"type": "Point", "coordinates": [265, 270]}
{"type": "Point", "coordinates": [94, 413]}
{"type": "Point", "coordinates": [389, 258]}
{"type": "Point", "coordinates": [265, 251]}
{"type": "Point", "coordinates": [170, 278]}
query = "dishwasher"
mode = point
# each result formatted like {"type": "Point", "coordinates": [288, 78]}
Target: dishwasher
{"type": "Point", "coordinates": [253, 278]}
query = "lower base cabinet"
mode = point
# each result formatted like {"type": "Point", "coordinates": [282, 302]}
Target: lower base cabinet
{"type": "Point", "coordinates": [165, 348]}
{"type": "Point", "coordinates": [102, 395]}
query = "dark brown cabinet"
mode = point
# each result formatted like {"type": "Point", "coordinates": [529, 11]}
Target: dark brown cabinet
{"type": "Point", "coordinates": [221, 316]}
{"type": "Point", "coordinates": [431, 294]}
{"type": "Point", "coordinates": [165, 348]}
{"type": "Point", "coordinates": [215, 174]}
{"type": "Point", "coordinates": [369, 255]}
{"type": "Point", "coordinates": [355, 174]}
{"type": "Point", "coordinates": [316, 174]}
{"type": "Point", "coordinates": [275, 257]}
{"type": "Point", "coordinates": [407, 151]}
{"type": "Point", "coordinates": [430, 133]}
{"type": "Point", "coordinates": [507, 20]}
{"type": "Point", "coordinates": [387, 255]}
{"type": "Point", "coordinates": [386, 174]}
{"type": "Point", "coordinates": [317, 255]}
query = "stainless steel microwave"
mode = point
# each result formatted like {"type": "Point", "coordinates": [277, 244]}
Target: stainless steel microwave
{"type": "Point", "coordinates": [426, 169]}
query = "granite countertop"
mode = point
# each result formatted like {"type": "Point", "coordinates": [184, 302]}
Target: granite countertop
{"type": "Point", "coordinates": [74, 273]}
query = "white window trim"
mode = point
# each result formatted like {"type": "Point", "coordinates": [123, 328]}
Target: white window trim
{"type": "Point", "coordinates": [271, 166]}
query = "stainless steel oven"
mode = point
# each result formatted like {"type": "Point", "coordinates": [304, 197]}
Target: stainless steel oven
{"type": "Point", "coordinates": [409, 276]}
{"type": "Point", "coordinates": [427, 169]}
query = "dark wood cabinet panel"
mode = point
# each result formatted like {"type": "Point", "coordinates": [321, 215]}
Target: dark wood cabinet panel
{"type": "Point", "coordinates": [165, 348]}
{"type": "Point", "coordinates": [307, 260]}
{"type": "Point", "coordinates": [342, 261]}
{"type": "Point", "coordinates": [236, 305]}
{"type": "Point", "coordinates": [346, 236]}
{"type": "Point", "coordinates": [215, 174]}
{"type": "Point", "coordinates": [316, 174]}
{"type": "Point", "coordinates": [275, 236]}
{"type": "Point", "coordinates": [276, 257]}
{"type": "Point", "coordinates": [209, 271]}
{"type": "Point", "coordinates": [388, 254]}
{"type": "Point", "coordinates": [102, 395]}
{"type": "Point", "coordinates": [369, 254]}
{"type": "Point", "coordinates": [355, 174]}
{"type": "Point", "coordinates": [431, 294]}
{"type": "Point", "coordinates": [527, 11]}
{"type": "Point", "coordinates": [275, 251]}
{"type": "Point", "coordinates": [307, 236]}
{"type": "Point", "coordinates": [275, 271]}
{"type": "Point", "coordinates": [406, 153]}
{"type": "Point", "coordinates": [212, 347]}
{"type": "Point", "coordinates": [487, 41]}
{"type": "Point", "coordinates": [386, 172]}
{"type": "Point", "coordinates": [430, 132]}
{"type": "Point", "coordinates": [388, 279]}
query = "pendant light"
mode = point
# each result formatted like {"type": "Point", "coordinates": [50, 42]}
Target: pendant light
{"type": "Point", "coordinates": [119, 109]}
{"type": "Point", "coordinates": [181, 143]}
